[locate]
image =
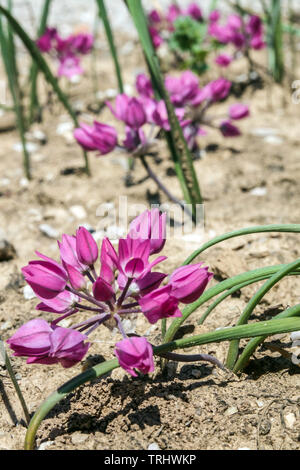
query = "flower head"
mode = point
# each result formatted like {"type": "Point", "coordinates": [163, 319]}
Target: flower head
{"type": "Point", "coordinates": [135, 353]}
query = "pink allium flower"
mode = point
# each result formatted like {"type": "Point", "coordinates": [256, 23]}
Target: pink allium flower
{"type": "Point", "coordinates": [219, 89]}
{"type": "Point", "coordinates": [229, 130]}
{"type": "Point", "coordinates": [134, 139]}
{"type": "Point", "coordinates": [159, 304]}
{"type": "Point", "coordinates": [129, 110]}
{"type": "Point", "coordinates": [86, 247]}
{"type": "Point", "coordinates": [45, 42]}
{"type": "Point", "coordinates": [254, 26]}
{"type": "Point", "coordinates": [257, 42]}
{"type": "Point", "coordinates": [135, 353]}
{"type": "Point", "coordinates": [223, 60]}
{"type": "Point", "coordinates": [47, 278]}
{"type": "Point", "coordinates": [150, 225]}
{"type": "Point", "coordinates": [223, 34]}
{"type": "Point", "coordinates": [64, 302]}
{"type": "Point", "coordinates": [76, 279]}
{"type": "Point", "coordinates": [81, 43]}
{"type": "Point", "coordinates": [238, 111]}
{"type": "Point", "coordinates": [144, 85]}
{"type": "Point", "coordinates": [182, 89]}
{"type": "Point", "coordinates": [234, 21]}
{"type": "Point", "coordinates": [133, 256]}
{"type": "Point", "coordinates": [69, 66]}
{"type": "Point", "coordinates": [173, 13]}
{"type": "Point", "coordinates": [154, 16]}
{"type": "Point", "coordinates": [214, 16]}
{"type": "Point", "coordinates": [194, 11]}
{"type": "Point", "coordinates": [101, 137]}
{"type": "Point", "coordinates": [189, 282]}
{"type": "Point", "coordinates": [103, 291]}
{"type": "Point", "coordinates": [42, 344]}
{"type": "Point", "coordinates": [68, 253]}
{"type": "Point", "coordinates": [157, 40]}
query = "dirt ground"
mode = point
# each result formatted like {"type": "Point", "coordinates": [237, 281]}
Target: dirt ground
{"type": "Point", "coordinates": [250, 180]}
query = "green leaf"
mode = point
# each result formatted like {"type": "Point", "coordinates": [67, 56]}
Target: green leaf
{"type": "Point", "coordinates": [109, 34]}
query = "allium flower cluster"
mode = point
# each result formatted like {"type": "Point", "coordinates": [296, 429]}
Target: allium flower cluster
{"type": "Point", "coordinates": [124, 283]}
{"type": "Point", "coordinates": [243, 34]}
{"type": "Point", "coordinates": [191, 103]}
{"type": "Point", "coordinates": [66, 51]}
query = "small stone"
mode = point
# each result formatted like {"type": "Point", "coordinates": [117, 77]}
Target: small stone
{"type": "Point", "coordinates": [78, 212]}
{"type": "Point", "coordinates": [28, 293]}
{"type": "Point", "coordinates": [196, 373]}
{"type": "Point", "coordinates": [44, 445]}
{"type": "Point", "coordinates": [64, 127]}
{"type": "Point", "coordinates": [265, 427]}
{"type": "Point", "coordinates": [6, 325]}
{"type": "Point", "coordinates": [273, 139]}
{"type": "Point", "coordinates": [7, 251]}
{"type": "Point", "coordinates": [40, 136]}
{"type": "Point", "coordinates": [295, 335]}
{"type": "Point", "coordinates": [79, 438]}
{"type": "Point", "coordinates": [24, 183]}
{"type": "Point", "coordinates": [49, 231]}
{"type": "Point", "coordinates": [111, 93]}
{"type": "Point", "coordinates": [128, 89]}
{"type": "Point", "coordinates": [290, 420]}
{"type": "Point", "coordinates": [264, 131]}
{"type": "Point", "coordinates": [4, 182]}
{"type": "Point", "coordinates": [153, 446]}
{"type": "Point", "coordinates": [244, 448]}
{"type": "Point", "coordinates": [260, 403]}
{"type": "Point", "coordinates": [259, 191]}
{"type": "Point", "coordinates": [232, 410]}
{"type": "Point", "coordinates": [30, 147]}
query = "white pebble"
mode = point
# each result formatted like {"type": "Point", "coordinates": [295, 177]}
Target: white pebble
{"type": "Point", "coordinates": [30, 147]}
{"type": "Point", "coordinates": [6, 325]}
{"type": "Point", "coordinates": [44, 445]}
{"type": "Point", "coordinates": [290, 420]}
{"type": "Point", "coordinates": [259, 191]}
{"type": "Point", "coordinates": [153, 446]}
{"type": "Point", "coordinates": [78, 212]}
{"type": "Point", "coordinates": [264, 131]}
{"type": "Point", "coordinates": [64, 127]}
{"type": "Point", "coordinates": [48, 231]}
{"type": "Point", "coordinates": [295, 335]}
{"type": "Point", "coordinates": [273, 139]}
{"type": "Point", "coordinates": [28, 293]}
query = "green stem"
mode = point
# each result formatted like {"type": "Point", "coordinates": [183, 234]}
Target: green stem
{"type": "Point", "coordinates": [255, 342]}
{"type": "Point", "coordinates": [254, 275]}
{"type": "Point", "coordinates": [14, 381]}
{"type": "Point", "coordinates": [234, 345]}
{"type": "Point", "coordinates": [103, 15]}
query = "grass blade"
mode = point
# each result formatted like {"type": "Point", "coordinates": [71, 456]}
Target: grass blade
{"type": "Point", "coordinates": [35, 109]}
{"type": "Point", "coordinates": [109, 34]}
{"type": "Point", "coordinates": [8, 52]}
{"type": "Point", "coordinates": [234, 345]}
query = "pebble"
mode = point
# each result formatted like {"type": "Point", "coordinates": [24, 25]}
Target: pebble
{"type": "Point", "coordinates": [153, 446]}
{"type": "Point", "coordinates": [264, 131]}
{"type": "Point", "coordinates": [196, 373]}
{"type": "Point", "coordinates": [64, 127]}
{"type": "Point", "coordinates": [30, 147]}
{"type": "Point", "coordinates": [232, 410]}
{"type": "Point", "coordinates": [7, 250]}
{"type": "Point", "coordinates": [6, 325]}
{"type": "Point", "coordinates": [4, 182]}
{"type": "Point", "coordinates": [44, 445]}
{"type": "Point", "coordinates": [259, 191]}
{"type": "Point", "coordinates": [244, 448]}
{"type": "Point", "coordinates": [290, 420]}
{"type": "Point", "coordinates": [28, 293]}
{"type": "Point", "coordinates": [273, 139]}
{"type": "Point", "coordinates": [295, 335]}
{"type": "Point", "coordinates": [49, 231]}
{"type": "Point", "coordinates": [79, 438]}
{"type": "Point", "coordinates": [78, 212]}
{"type": "Point", "coordinates": [129, 326]}
{"type": "Point", "coordinates": [24, 182]}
